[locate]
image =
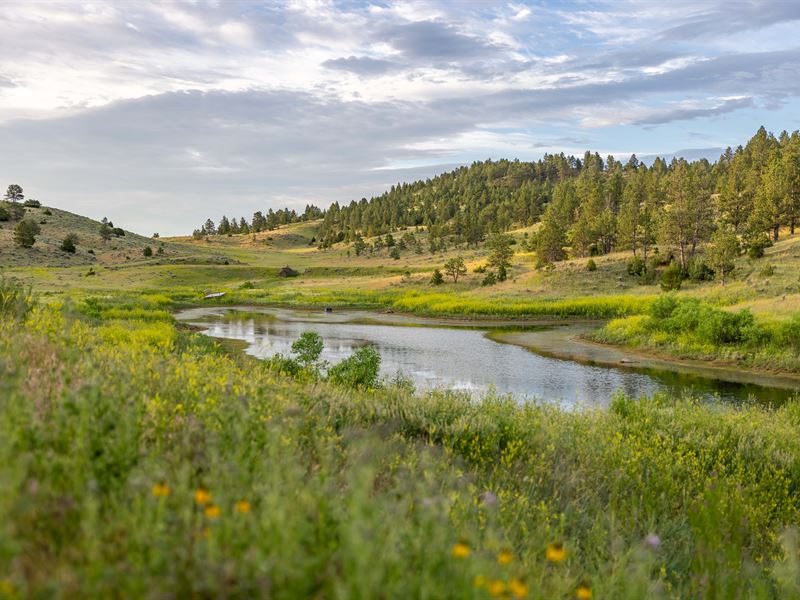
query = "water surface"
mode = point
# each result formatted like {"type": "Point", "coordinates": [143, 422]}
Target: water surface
{"type": "Point", "coordinates": [460, 356]}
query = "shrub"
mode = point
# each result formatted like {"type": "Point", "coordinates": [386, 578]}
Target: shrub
{"type": "Point", "coordinates": [25, 233]}
{"type": "Point", "coordinates": [721, 327]}
{"type": "Point", "coordinates": [636, 266]}
{"type": "Point", "coordinates": [308, 348]}
{"type": "Point", "coordinates": [68, 243]}
{"type": "Point", "coordinates": [479, 269]}
{"type": "Point", "coordinates": [489, 279]}
{"type": "Point", "coordinates": [4, 214]}
{"type": "Point", "coordinates": [359, 370]}
{"type": "Point", "coordinates": [16, 300]}
{"type": "Point", "coordinates": [147, 252]}
{"type": "Point", "coordinates": [47, 212]}
{"type": "Point", "coordinates": [118, 231]}
{"type": "Point", "coordinates": [672, 277]}
{"type": "Point", "coordinates": [757, 244]}
{"type": "Point", "coordinates": [700, 271]}
{"type": "Point", "coordinates": [767, 271]}
{"type": "Point", "coordinates": [437, 278]}
{"type": "Point", "coordinates": [663, 306]}
{"type": "Point", "coordinates": [591, 265]}
{"type": "Point", "coordinates": [31, 203]}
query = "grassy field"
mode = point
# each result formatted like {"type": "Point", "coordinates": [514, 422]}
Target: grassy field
{"type": "Point", "coordinates": [141, 460]}
{"type": "Point", "coordinates": [138, 459]}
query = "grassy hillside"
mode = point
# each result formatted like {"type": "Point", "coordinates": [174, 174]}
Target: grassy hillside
{"type": "Point", "coordinates": [91, 248]}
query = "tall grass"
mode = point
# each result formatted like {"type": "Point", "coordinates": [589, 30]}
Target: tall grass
{"type": "Point", "coordinates": [138, 460]}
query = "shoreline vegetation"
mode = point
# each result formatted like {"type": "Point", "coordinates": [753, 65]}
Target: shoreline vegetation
{"type": "Point", "coordinates": [137, 456]}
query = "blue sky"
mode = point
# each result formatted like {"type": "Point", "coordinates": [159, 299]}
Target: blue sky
{"type": "Point", "coordinates": [159, 114]}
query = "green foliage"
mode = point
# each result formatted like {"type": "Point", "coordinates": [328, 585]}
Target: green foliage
{"type": "Point", "coordinates": [767, 271]}
{"type": "Point", "coordinates": [359, 371]}
{"type": "Point", "coordinates": [489, 279]}
{"type": "Point", "coordinates": [455, 267]}
{"type": "Point", "coordinates": [672, 277]}
{"type": "Point", "coordinates": [69, 242]}
{"type": "Point", "coordinates": [308, 348]}
{"type": "Point", "coordinates": [636, 266]}
{"type": "Point", "coordinates": [756, 247]}
{"type": "Point", "coordinates": [437, 278]}
{"type": "Point", "coordinates": [31, 203]}
{"type": "Point", "coordinates": [25, 233]}
{"type": "Point", "coordinates": [4, 214]}
{"type": "Point", "coordinates": [699, 270]}
{"type": "Point", "coordinates": [147, 252]}
{"type": "Point", "coordinates": [591, 265]}
{"type": "Point", "coordinates": [16, 300]}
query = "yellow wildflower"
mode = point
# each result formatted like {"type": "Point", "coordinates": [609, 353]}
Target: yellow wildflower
{"type": "Point", "coordinates": [584, 592]}
{"type": "Point", "coordinates": [460, 550]}
{"type": "Point", "coordinates": [202, 496]}
{"type": "Point", "coordinates": [505, 557]}
{"type": "Point", "coordinates": [212, 511]}
{"type": "Point", "coordinates": [556, 552]}
{"type": "Point", "coordinates": [497, 587]}
{"type": "Point", "coordinates": [160, 490]}
{"type": "Point", "coordinates": [242, 507]}
{"type": "Point", "coordinates": [518, 588]}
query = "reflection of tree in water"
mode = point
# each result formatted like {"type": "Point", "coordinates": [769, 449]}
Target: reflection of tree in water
{"type": "Point", "coordinates": [463, 358]}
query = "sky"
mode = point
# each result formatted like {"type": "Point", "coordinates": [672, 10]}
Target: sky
{"type": "Point", "coordinates": [161, 114]}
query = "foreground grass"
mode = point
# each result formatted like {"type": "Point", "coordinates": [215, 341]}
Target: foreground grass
{"type": "Point", "coordinates": [138, 460]}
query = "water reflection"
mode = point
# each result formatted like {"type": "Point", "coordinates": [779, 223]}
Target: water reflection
{"type": "Point", "coordinates": [465, 359]}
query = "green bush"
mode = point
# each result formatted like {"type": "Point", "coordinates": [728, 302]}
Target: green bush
{"type": "Point", "coordinates": [147, 252]}
{"type": "Point", "coordinates": [591, 265]}
{"type": "Point", "coordinates": [357, 371]}
{"type": "Point", "coordinates": [672, 277]}
{"type": "Point", "coordinates": [767, 271]}
{"type": "Point", "coordinates": [489, 279]}
{"type": "Point", "coordinates": [757, 244]}
{"type": "Point", "coordinates": [68, 243]}
{"type": "Point", "coordinates": [636, 266]}
{"type": "Point", "coordinates": [16, 300]}
{"type": "Point", "coordinates": [699, 270]}
{"type": "Point", "coordinates": [437, 278]}
{"type": "Point", "coordinates": [31, 203]}
{"type": "Point", "coordinates": [308, 348]}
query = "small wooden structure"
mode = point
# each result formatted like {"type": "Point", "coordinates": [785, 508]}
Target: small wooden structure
{"type": "Point", "coordinates": [288, 272]}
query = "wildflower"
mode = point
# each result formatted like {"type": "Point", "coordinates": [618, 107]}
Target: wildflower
{"type": "Point", "coordinates": [518, 588]}
{"type": "Point", "coordinates": [497, 588]}
{"type": "Point", "coordinates": [212, 511]}
{"type": "Point", "coordinates": [556, 552]}
{"type": "Point", "coordinates": [480, 581]}
{"type": "Point", "coordinates": [242, 507]}
{"type": "Point", "coordinates": [584, 592]}
{"type": "Point", "coordinates": [653, 541]}
{"type": "Point", "coordinates": [505, 557]}
{"type": "Point", "coordinates": [202, 496]}
{"type": "Point", "coordinates": [460, 550]}
{"type": "Point", "coordinates": [160, 490]}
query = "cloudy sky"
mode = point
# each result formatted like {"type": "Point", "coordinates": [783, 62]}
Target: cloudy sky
{"type": "Point", "coordinates": [159, 114]}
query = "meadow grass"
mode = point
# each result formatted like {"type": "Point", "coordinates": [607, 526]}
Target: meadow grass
{"type": "Point", "coordinates": [141, 460]}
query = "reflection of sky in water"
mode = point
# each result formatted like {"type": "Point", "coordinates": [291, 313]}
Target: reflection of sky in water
{"type": "Point", "coordinates": [464, 359]}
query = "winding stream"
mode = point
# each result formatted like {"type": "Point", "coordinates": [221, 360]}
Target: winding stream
{"type": "Point", "coordinates": [476, 357]}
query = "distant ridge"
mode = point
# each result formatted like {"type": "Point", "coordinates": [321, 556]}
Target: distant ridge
{"type": "Point", "coordinates": [690, 154]}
